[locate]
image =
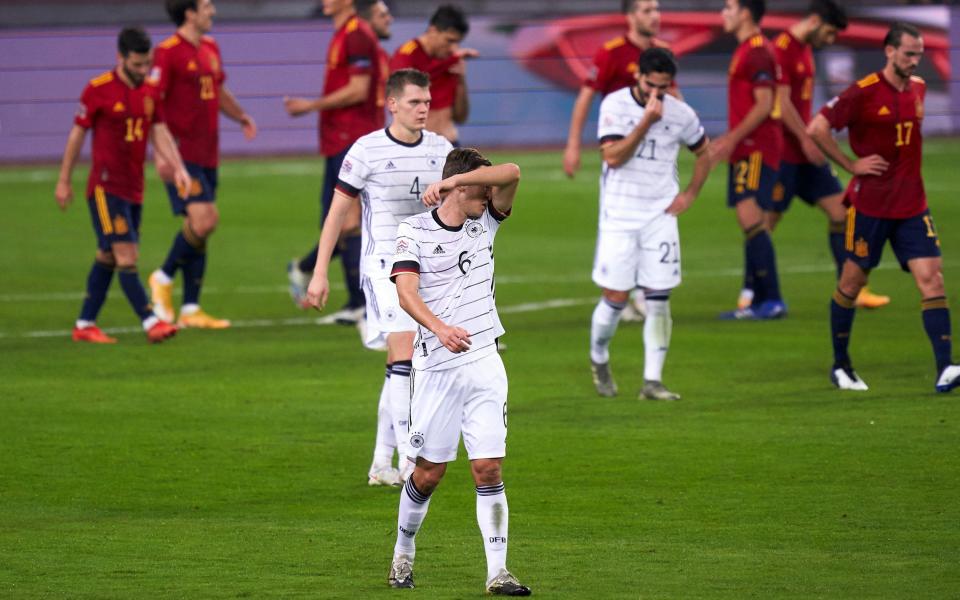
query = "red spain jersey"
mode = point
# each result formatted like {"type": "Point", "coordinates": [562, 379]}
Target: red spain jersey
{"type": "Point", "coordinates": [354, 50]}
{"type": "Point", "coordinates": [188, 78]}
{"type": "Point", "coordinates": [883, 120]}
{"type": "Point", "coordinates": [120, 117]}
{"type": "Point", "coordinates": [615, 65]}
{"type": "Point", "coordinates": [443, 83]}
{"type": "Point", "coordinates": [754, 66]}
{"type": "Point", "coordinates": [795, 60]}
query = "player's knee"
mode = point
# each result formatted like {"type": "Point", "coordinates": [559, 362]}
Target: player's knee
{"type": "Point", "coordinates": [427, 476]}
{"type": "Point", "coordinates": [106, 258]}
{"type": "Point", "coordinates": [486, 471]}
{"type": "Point", "coordinates": [616, 297]}
{"type": "Point", "coordinates": [931, 283]}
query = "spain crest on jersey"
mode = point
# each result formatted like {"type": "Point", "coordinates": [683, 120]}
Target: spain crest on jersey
{"type": "Point", "coordinates": [214, 64]}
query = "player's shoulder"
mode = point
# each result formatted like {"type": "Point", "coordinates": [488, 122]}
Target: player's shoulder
{"type": "Point", "coordinates": [784, 41]}
{"type": "Point", "coordinates": [619, 100]}
{"type": "Point", "coordinates": [408, 48]}
{"type": "Point", "coordinates": [170, 43]}
{"type": "Point", "coordinates": [614, 43]}
{"type": "Point", "coordinates": [102, 79]}
{"type": "Point", "coordinates": [209, 42]}
{"type": "Point", "coordinates": [869, 81]}
{"type": "Point", "coordinates": [681, 109]}
{"type": "Point", "coordinates": [435, 140]}
{"type": "Point", "coordinates": [918, 81]}
{"type": "Point", "coordinates": [658, 43]}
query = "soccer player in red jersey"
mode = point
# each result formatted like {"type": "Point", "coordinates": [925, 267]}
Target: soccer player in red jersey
{"type": "Point", "coordinates": [188, 74]}
{"type": "Point", "coordinates": [753, 146]}
{"type": "Point", "coordinates": [614, 67]}
{"type": "Point", "coordinates": [352, 105]}
{"type": "Point", "coordinates": [437, 52]}
{"type": "Point", "coordinates": [123, 113]}
{"type": "Point", "coordinates": [883, 114]}
{"type": "Point", "coordinates": [804, 170]}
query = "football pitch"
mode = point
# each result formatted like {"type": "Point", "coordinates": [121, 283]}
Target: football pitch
{"type": "Point", "coordinates": [232, 464]}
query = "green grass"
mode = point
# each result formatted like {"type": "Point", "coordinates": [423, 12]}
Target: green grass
{"type": "Point", "coordinates": [232, 464]}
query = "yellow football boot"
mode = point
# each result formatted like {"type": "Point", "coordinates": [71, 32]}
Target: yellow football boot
{"type": "Point", "coordinates": [161, 296]}
{"type": "Point", "coordinates": [201, 320]}
{"type": "Point", "coordinates": [867, 299]}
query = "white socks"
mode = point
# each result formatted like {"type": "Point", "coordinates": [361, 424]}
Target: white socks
{"type": "Point", "coordinates": [400, 406]}
{"type": "Point", "coordinates": [656, 336]}
{"type": "Point", "coordinates": [413, 509]}
{"type": "Point", "coordinates": [386, 442]}
{"type": "Point", "coordinates": [602, 327]}
{"type": "Point", "coordinates": [493, 518]}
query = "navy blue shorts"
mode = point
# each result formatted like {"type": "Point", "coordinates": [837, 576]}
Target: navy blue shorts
{"type": "Point", "coordinates": [331, 174]}
{"type": "Point", "coordinates": [203, 188]}
{"type": "Point", "coordinates": [811, 182]}
{"type": "Point", "coordinates": [751, 178]}
{"type": "Point", "coordinates": [915, 237]}
{"type": "Point", "coordinates": [114, 219]}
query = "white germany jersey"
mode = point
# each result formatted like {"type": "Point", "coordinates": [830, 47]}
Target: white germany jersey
{"type": "Point", "coordinates": [643, 187]}
{"type": "Point", "coordinates": [389, 176]}
{"type": "Point", "coordinates": [456, 283]}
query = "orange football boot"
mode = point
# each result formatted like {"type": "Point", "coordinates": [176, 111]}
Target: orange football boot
{"type": "Point", "coordinates": [161, 331]}
{"type": "Point", "coordinates": [93, 335]}
{"type": "Point", "coordinates": [867, 299]}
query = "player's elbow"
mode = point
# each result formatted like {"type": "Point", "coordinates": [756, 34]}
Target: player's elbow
{"type": "Point", "coordinates": [817, 128]}
{"type": "Point", "coordinates": [513, 171]}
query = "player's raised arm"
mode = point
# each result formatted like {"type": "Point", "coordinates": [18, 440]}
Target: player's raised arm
{"type": "Point", "coordinates": [64, 190]}
{"type": "Point", "coordinates": [503, 178]}
{"type": "Point", "coordinates": [617, 152]}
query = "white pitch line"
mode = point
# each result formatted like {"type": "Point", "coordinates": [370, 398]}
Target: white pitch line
{"type": "Point", "coordinates": [579, 277]}
{"type": "Point", "coordinates": [298, 321]}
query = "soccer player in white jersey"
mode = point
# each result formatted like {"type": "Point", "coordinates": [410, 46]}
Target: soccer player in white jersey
{"type": "Point", "coordinates": [638, 243]}
{"type": "Point", "coordinates": [443, 269]}
{"type": "Point", "coordinates": [387, 170]}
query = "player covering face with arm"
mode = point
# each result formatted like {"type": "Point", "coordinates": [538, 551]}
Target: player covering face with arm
{"type": "Point", "coordinates": [443, 270]}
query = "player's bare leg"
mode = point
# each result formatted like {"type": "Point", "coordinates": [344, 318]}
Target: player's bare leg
{"type": "Point", "coordinates": [414, 502]}
{"type": "Point", "coordinates": [603, 326]}
{"type": "Point", "coordinates": [836, 213]}
{"type": "Point", "coordinates": [493, 516]}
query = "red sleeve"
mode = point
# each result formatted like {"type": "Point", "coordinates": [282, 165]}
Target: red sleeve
{"type": "Point", "coordinates": [221, 73]}
{"type": "Point", "coordinates": [87, 110]}
{"type": "Point", "coordinates": [599, 74]}
{"type": "Point", "coordinates": [783, 63]}
{"type": "Point", "coordinates": [760, 68]}
{"type": "Point", "coordinates": [160, 72]}
{"type": "Point", "coordinates": [401, 61]}
{"type": "Point", "coordinates": [361, 52]}
{"type": "Point", "coordinates": [840, 111]}
{"type": "Point", "coordinates": [158, 113]}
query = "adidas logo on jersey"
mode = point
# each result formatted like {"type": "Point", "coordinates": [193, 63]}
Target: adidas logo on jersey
{"type": "Point", "coordinates": [884, 111]}
{"type": "Point", "coordinates": [439, 249]}
{"type": "Point", "coordinates": [390, 165]}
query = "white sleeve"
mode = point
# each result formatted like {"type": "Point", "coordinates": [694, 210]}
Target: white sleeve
{"type": "Point", "coordinates": [693, 131]}
{"type": "Point", "coordinates": [406, 258]}
{"type": "Point", "coordinates": [611, 123]}
{"type": "Point", "coordinates": [355, 170]}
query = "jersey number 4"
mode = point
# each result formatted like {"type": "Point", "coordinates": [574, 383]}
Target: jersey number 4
{"type": "Point", "coordinates": [415, 187]}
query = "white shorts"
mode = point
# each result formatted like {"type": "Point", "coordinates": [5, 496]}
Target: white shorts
{"type": "Point", "coordinates": [469, 399]}
{"type": "Point", "coordinates": [384, 315]}
{"type": "Point", "coordinates": [649, 257]}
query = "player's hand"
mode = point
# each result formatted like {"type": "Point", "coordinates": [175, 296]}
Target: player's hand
{"type": "Point", "coordinates": [435, 192]}
{"type": "Point", "coordinates": [720, 149]}
{"type": "Point", "coordinates": [680, 204]}
{"type": "Point", "coordinates": [454, 339]}
{"type": "Point", "coordinates": [165, 170]}
{"type": "Point", "coordinates": [870, 165]}
{"type": "Point", "coordinates": [64, 194]}
{"type": "Point", "coordinates": [249, 127]}
{"type": "Point", "coordinates": [571, 160]}
{"type": "Point", "coordinates": [318, 291]}
{"type": "Point", "coordinates": [467, 53]}
{"type": "Point", "coordinates": [297, 107]}
{"type": "Point", "coordinates": [812, 152]}
{"type": "Point", "coordinates": [183, 181]}
{"type": "Point", "coordinates": [653, 112]}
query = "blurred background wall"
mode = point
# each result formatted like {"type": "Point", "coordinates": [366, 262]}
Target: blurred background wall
{"type": "Point", "coordinates": [521, 88]}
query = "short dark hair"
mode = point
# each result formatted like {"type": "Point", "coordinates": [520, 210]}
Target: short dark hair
{"type": "Point", "coordinates": [133, 39]}
{"type": "Point", "coordinates": [757, 8]}
{"type": "Point", "coordinates": [626, 6]}
{"type": "Point", "coordinates": [829, 12]}
{"type": "Point", "coordinates": [401, 78]}
{"type": "Point", "coordinates": [364, 7]}
{"type": "Point", "coordinates": [657, 60]}
{"type": "Point", "coordinates": [464, 160]}
{"type": "Point", "coordinates": [449, 17]}
{"type": "Point", "coordinates": [895, 35]}
{"type": "Point", "coordinates": [177, 9]}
